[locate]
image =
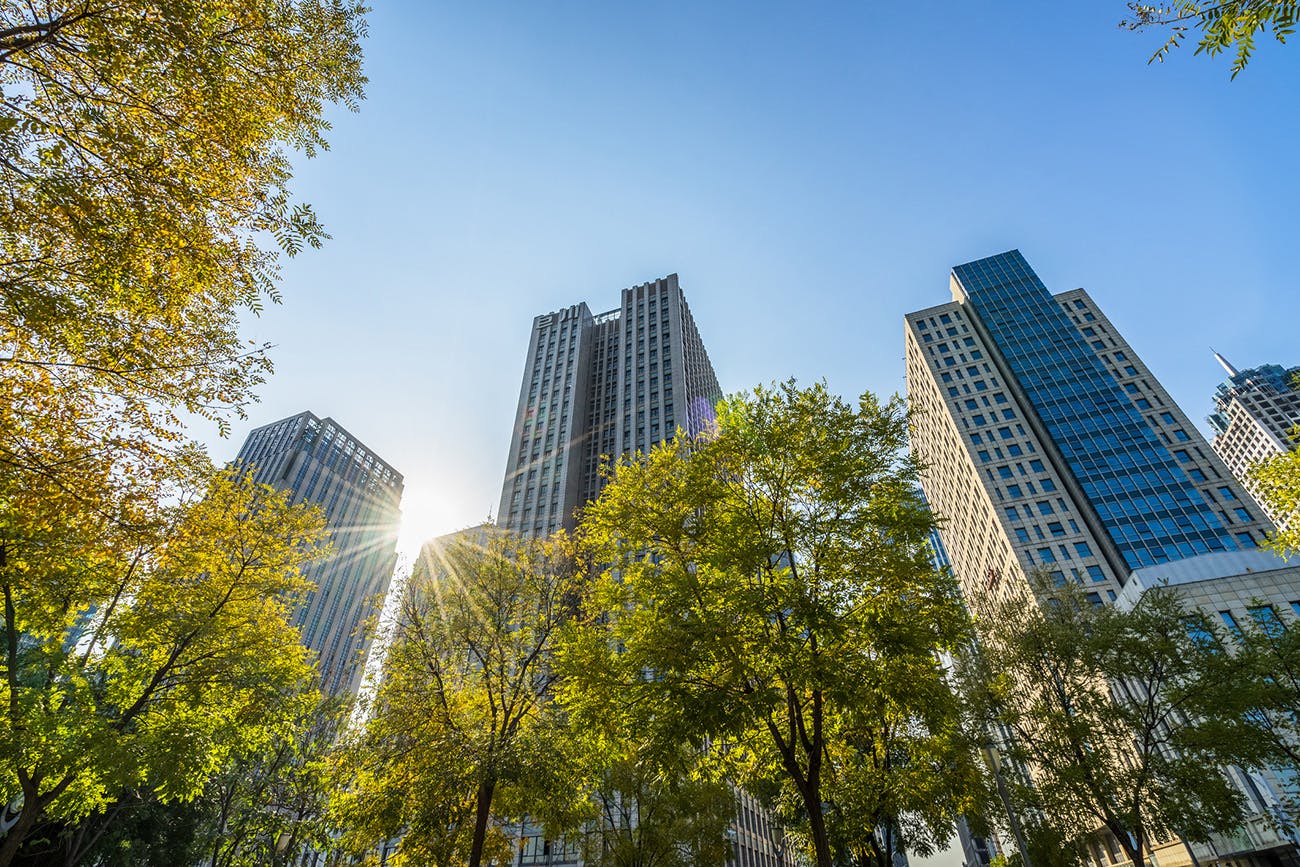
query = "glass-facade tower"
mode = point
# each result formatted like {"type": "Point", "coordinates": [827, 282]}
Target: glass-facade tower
{"type": "Point", "coordinates": [1144, 499]}
{"type": "Point", "coordinates": [1049, 446]}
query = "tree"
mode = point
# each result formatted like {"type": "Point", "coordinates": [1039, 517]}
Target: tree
{"type": "Point", "coordinates": [147, 656]}
{"type": "Point", "coordinates": [464, 735]}
{"type": "Point", "coordinates": [1277, 484]}
{"type": "Point", "coordinates": [1232, 24]}
{"type": "Point", "coordinates": [144, 155]}
{"type": "Point", "coordinates": [1124, 719]}
{"type": "Point", "coordinates": [656, 812]}
{"type": "Point", "coordinates": [769, 586]}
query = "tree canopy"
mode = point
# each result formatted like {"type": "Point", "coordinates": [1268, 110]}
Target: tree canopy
{"type": "Point", "coordinates": [1221, 25]}
{"type": "Point", "coordinates": [148, 656]}
{"type": "Point", "coordinates": [768, 587]}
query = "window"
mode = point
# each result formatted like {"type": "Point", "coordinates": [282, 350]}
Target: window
{"type": "Point", "coordinates": [1022, 536]}
{"type": "Point", "coordinates": [1045, 508]}
{"type": "Point", "coordinates": [1082, 549]}
{"type": "Point", "coordinates": [1181, 435]}
{"type": "Point", "coordinates": [1167, 417]}
{"type": "Point", "coordinates": [1196, 475]}
{"type": "Point", "coordinates": [1230, 622]}
{"type": "Point", "coordinates": [1095, 573]}
{"type": "Point", "coordinates": [1242, 514]}
{"type": "Point", "coordinates": [1131, 387]}
{"type": "Point", "coordinates": [975, 438]}
{"type": "Point", "coordinates": [1013, 491]}
{"type": "Point", "coordinates": [984, 457]}
{"type": "Point", "coordinates": [1046, 556]}
{"type": "Point", "coordinates": [1266, 619]}
{"type": "Point", "coordinates": [1005, 433]}
{"type": "Point", "coordinates": [1008, 414]}
{"type": "Point", "coordinates": [1198, 633]}
{"type": "Point", "coordinates": [1056, 528]}
{"type": "Point", "coordinates": [1012, 514]}
{"type": "Point", "coordinates": [1048, 485]}
{"type": "Point", "coordinates": [1079, 305]}
{"type": "Point", "coordinates": [978, 420]}
{"type": "Point", "coordinates": [1004, 472]}
{"type": "Point", "coordinates": [999, 398]}
{"type": "Point", "coordinates": [952, 391]}
{"type": "Point", "coordinates": [1015, 451]}
{"type": "Point", "coordinates": [1095, 598]}
{"type": "Point", "coordinates": [1227, 494]}
{"type": "Point", "coordinates": [1036, 466]}
{"type": "Point", "coordinates": [1130, 370]}
{"type": "Point", "coordinates": [1143, 403]}
{"type": "Point", "coordinates": [1246, 540]}
{"type": "Point", "coordinates": [1183, 456]}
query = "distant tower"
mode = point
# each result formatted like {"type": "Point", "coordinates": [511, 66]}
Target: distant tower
{"type": "Point", "coordinates": [317, 461]}
{"type": "Point", "coordinates": [604, 385]}
{"type": "Point", "coordinates": [1256, 411]}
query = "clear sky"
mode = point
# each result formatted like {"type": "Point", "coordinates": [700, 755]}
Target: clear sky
{"type": "Point", "coordinates": [812, 171]}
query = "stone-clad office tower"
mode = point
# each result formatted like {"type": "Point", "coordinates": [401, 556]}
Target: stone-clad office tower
{"type": "Point", "coordinates": [608, 384]}
{"type": "Point", "coordinates": [1256, 412]}
{"type": "Point", "coordinates": [1050, 445]}
{"type": "Point", "coordinates": [319, 462]}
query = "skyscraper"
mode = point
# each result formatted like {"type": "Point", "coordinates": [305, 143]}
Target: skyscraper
{"type": "Point", "coordinates": [1050, 445]}
{"type": "Point", "coordinates": [319, 462]}
{"type": "Point", "coordinates": [1255, 412]}
{"type": "Point", "coordinates": [609, 384]}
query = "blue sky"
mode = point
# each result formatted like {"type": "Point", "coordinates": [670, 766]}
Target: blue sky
{"type": "Point", "coordinates": [811, 171]}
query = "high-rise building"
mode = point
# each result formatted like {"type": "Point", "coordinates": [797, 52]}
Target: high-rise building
{"type": "Point", "coordinates": [1049, 444]}
{"type": "Point", "coordinates": [1256, 412]}
{"type": "Point", "coordinates": [317, 461]}
{"type": "Point", "coordinates": [600, 386]}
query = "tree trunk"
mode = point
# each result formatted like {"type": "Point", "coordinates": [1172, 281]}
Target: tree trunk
{"type": "Point", "coordinates": [482, 815]}
{"type": "Point", "coordinates": [18, 833]}
{"type": "Point", "coordinates": [817, 824]}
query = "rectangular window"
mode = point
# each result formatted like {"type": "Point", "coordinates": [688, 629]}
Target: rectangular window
{"type": "Point", "coordinates": [1045, 508]}
{"type": "Point", "coordinates": [1227, 494]}
{"type": "Point", "coordinates": [1242, 514]}
{"type": "Point", "coordinates": [1196, 475]}
{"type": "Point", "coordinates": [984, 457]}
{"type": "Point", "coordinates": [1022, 535]}
{"type": "Point", "coordinates": [1012, 514]}
{"type": "Point", "coordinates": [1056, 528]}
{"type": "Point", "coordinates": [975, 438]}
{"type": "Point", "coordinates": [1048, 485]}
{"type": "Point", "coordinates": [978, 420]}
{"type": "Point", "coordinates": [1246, 540]}
{"type": "Point", "coordinates": [1036, 466]}
{"type": "Point", "coordinates": [1183, 456]}
{"type": "Point", "coordinates": [1005, 433]}
{"type": "Point", "coordinates": [1082, 549]}
{"type": "Point", "coordinates": [1045, 555]}
{"type": "Point", "coordinates": [1167, 417]}
{"type": "Point", "coordinates": [1095, 573]}
{"type": "Point", "coordinates": [1015, 451]}
{"type": "Point", "coordinates": [1005, 472]}
{"type": "Point", "coordinates": [1013, 491]}
{"type": "Point", "coordinates": [1266, 619]}
{"type": "Point", "coordinates": [1143, 403]}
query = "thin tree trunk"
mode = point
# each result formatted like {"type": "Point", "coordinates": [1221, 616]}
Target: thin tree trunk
{"type": "Point", "coordinates": [482, 815]}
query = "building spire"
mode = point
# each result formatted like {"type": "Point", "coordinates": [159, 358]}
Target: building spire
{"type": "Point", "coordinates": [1232, 371]}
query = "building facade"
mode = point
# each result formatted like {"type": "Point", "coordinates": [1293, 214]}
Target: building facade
{"type": "Point", "coordinates": [597, 387]}
{"type": "Point", "coordinates": [317, 461]}
{"type": "Point", "coordinates": [1256, 411]}
{"type": "Point", "coordinates": [1049, 445]}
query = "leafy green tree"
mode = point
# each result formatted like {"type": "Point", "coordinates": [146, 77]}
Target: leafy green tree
{"type": "Point", "coordinates": [1277, 484]}
{"type": "Point", "coordinates": [1230, 24]}
{"type": "Point", "coordinates": [660, 811]}
{"type": "Point", "coordinates": [769, 586]}
{"type": "Point", "coordinates": [1124, 719]}
{"type": "Point", "coordinates": [144, 150]}
{"type": "Point", "coordinates": [464, 735]}
{"type": "Point", "coordinates": [147, 656]}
